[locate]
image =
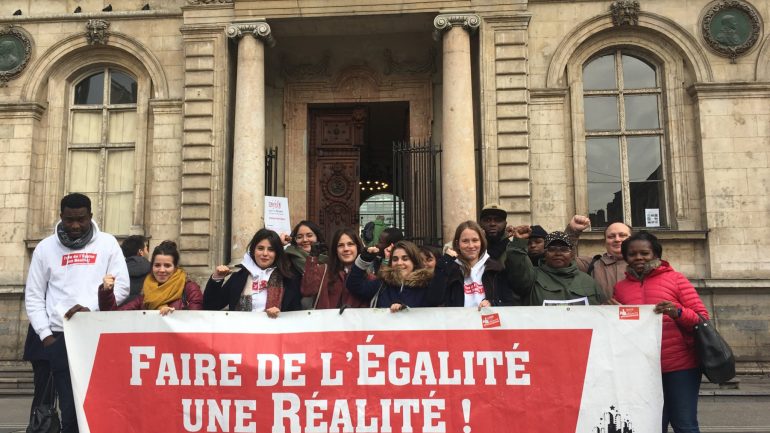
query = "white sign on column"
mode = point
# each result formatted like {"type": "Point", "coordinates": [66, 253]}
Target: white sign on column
{"type": "Point", "coordinates": [277, 214]}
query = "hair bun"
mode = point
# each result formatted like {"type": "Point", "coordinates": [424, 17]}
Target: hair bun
{"type": "Point", "coordinates": [168, 244]}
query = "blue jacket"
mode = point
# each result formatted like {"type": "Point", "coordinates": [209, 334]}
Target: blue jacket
{"type": "Point", "coordinates": [390, 288]}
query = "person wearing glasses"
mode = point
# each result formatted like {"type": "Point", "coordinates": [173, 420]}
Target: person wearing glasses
{"type": "Point", "coordinates": [557, 280]}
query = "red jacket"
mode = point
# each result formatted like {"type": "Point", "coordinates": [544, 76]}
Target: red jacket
{"type": "Point", "coordinates": [334, 294]}
{"type": "Point", "coordinates": [192, 299]}
{"type": "Point", "coordinates": [665, 284]}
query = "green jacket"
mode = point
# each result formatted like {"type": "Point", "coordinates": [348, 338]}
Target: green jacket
{"type": "Point", "coordinates": [546, 283]}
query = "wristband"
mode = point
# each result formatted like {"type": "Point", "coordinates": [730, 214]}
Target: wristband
{"type": "Point", "coordinates": [678, 313]}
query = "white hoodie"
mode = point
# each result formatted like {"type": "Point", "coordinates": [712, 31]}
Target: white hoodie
{"type": "Point", "coordinates": [473, 285]}
{"type": "Point", "coordinates": [60, 277]}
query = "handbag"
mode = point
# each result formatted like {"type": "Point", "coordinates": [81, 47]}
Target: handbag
{"type": "Point", "coordinates": [715, 356]}
{"type": "Point", "coordinates": [44, 418]}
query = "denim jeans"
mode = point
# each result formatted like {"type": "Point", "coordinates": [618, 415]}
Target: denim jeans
{"type": "Point", "coordinates": [680, 400]}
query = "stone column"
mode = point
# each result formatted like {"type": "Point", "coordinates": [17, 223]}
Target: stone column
{"type": "Point", "coordinates": [458, 163]}
{"type": "Point", "coordinates": [248, 193]}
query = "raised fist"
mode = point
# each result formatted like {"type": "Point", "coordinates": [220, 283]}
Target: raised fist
{"type": "Point", "coordinates": [522, 232]}
{"type": "Point", "coordinates": [285, 238]}
{"type": "Point", "coordinates": [579, 223]}
{"type": "Point", "coordinates": [221, 271]}
{"type": "Point", "coordinates": [108, 282]}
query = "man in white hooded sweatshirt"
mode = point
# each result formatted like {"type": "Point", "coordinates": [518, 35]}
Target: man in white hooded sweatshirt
{"type": "Point", "coordinates": [64, 277]}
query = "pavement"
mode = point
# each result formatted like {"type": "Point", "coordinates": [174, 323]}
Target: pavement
{"type": "Point", "coordinates": [745, 409]}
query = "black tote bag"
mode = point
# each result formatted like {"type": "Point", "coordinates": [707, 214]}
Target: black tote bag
{"type": "Point", "coordinates": [714, 354]}
{"type": "Point", "coordinates": [44, 418]}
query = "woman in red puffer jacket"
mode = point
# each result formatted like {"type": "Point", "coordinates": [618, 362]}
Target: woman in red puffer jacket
{"type": "Point", "coordinates": [650, 280]}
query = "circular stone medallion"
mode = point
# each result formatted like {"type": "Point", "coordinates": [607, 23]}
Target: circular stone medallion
{"type": "Point", "coordinates": [731, 27]}
{"type": "Point", "coordinates": [15, 51]}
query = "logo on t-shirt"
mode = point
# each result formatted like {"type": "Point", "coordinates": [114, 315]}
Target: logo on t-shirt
{"type": "Point", "coordinates": [78, 259]}
{"type": "Point", "coordinates": [258, 286]}
{"type": "Point", "coordinates": [474, 289]}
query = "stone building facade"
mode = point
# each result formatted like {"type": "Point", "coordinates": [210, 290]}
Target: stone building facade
{"type": "Point", "coordinates": [651, 111]}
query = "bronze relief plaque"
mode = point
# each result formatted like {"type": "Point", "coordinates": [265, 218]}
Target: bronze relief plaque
{"type": "Point", "coordinates": [15, 51]}
{"type": "Point", "coordinates": [731, 27]}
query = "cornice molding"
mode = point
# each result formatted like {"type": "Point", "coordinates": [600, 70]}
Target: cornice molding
{"type": "Point", "coordinates": [22, 109]}
{"type": "Point", "coordinates": [208, 2]}
{"type": "Point", "coordinates": [746, 89]}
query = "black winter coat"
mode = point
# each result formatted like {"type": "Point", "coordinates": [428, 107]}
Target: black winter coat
{"type": "Point", "coordinates": [449, 276]}
{"type": "Point", "coordinates": [218, 295]}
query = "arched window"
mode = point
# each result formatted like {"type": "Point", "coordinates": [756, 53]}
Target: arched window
{"type": "Point", "coordinates": [101, 145]}
{"type": "Point", "coordinates": [624, 136]}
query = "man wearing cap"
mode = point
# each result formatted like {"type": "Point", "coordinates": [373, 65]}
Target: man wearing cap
{"type": "Point", "coordinates": [536, 244]}
{"type": "Point", "coordinates": [493, 220]}
{"type": "Point", "coordinates": [609, 268]}
{"type": "Point", "coordinates": [557, 278]}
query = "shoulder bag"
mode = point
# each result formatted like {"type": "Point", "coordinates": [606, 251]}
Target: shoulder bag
{"type": "Point", "coordinates": [714, 354]}
{"type": "Point", "coordinates": [44, 418]}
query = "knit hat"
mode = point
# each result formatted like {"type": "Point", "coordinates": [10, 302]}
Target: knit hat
{"type": "Point", "coordinates": [558, 237]}
{"type": "Point", "coordinates": [538, 232]}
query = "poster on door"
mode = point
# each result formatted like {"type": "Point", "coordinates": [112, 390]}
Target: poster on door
{"type": "Point", "coordinates": [538, 369]}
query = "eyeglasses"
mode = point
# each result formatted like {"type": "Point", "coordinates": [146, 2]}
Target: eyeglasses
{"type": "Point", "coordinates": [563, 249]}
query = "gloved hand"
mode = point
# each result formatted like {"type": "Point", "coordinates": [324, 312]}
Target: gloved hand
{"type": "Point", "coordinates": [369, 254]}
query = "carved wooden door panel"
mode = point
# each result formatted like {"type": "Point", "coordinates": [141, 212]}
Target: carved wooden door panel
{"type": "Point", "coordinates": [333, 188]}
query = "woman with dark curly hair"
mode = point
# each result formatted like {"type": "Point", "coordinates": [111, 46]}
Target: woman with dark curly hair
{"type": "Point", "coordinates": [401, 282]}
{"type": "Point", "coordinates": [265, 281]}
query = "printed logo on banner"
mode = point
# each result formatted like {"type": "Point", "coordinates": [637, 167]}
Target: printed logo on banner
{"type": "Point", "coordinates": [490, 321]}
{"type": "Point", "coordinates": [628, 313]}
{"type": "Point", "coordinates": [78, 259]}
{"type": "Point", "coordinates": [612, 421]}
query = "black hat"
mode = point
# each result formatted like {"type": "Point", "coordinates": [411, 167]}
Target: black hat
{"type": "Point", "coordinates": [558, 237]}
{"type": "Point", "coordinates": [538, 232]}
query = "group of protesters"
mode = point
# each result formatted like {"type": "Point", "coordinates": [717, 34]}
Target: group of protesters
{"type": "Point", "coordinates": [487, 264]}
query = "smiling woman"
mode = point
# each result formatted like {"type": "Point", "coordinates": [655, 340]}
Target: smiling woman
{"type": "Point", "coordinates": [264, 282]}
{"type": "Point", "coordinates": [557, 279]}
{"type": "Point", "coordinates": [469, 276]}
{"type": "Point", "coordinates": [325, 283]}
{"type": "Point", "coordinates": [166, 288]}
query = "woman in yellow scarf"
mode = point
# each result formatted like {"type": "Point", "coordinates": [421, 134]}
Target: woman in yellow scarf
{"type": "Point", "coordinates": [166, 288]}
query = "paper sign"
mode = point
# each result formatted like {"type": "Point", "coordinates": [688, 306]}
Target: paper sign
{"type": "Point", "coordinates": [652, 217]}
{"type": "Point", "coordinates": [576, 301]}
{"type": "Point", "coordinates": [277, 214]}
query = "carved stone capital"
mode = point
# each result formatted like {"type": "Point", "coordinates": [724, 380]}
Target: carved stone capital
{"type": "Point", "coordinates": [443, 22]}
{"type": "Point", "coordinates": [258, 29]}
{"type": "Point", "coordinates": [96, 32]}
{"type": "Point", "coordinates": [625, 12]}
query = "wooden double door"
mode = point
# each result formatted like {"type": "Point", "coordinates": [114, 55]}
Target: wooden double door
{"type": "Point", "coordinates": [334, 151]}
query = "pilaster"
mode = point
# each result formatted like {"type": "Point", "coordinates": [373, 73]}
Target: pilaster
{"type": "Point", "coordinates": [505, 114]}
{"type": "Point", "coordinates": [204, 143]}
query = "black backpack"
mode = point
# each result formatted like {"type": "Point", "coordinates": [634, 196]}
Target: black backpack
{"type": "Point", "coordinates": [368, 234]}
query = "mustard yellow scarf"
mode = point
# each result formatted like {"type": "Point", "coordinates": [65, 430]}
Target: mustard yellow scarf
{"type": "Point", "coordinates": [157, 295]}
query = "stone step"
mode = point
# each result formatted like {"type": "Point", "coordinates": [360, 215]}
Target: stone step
{"type": "Point", "coordinates": [16, 383]}
{"type": "Point", "coordinates": [17, 392]}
